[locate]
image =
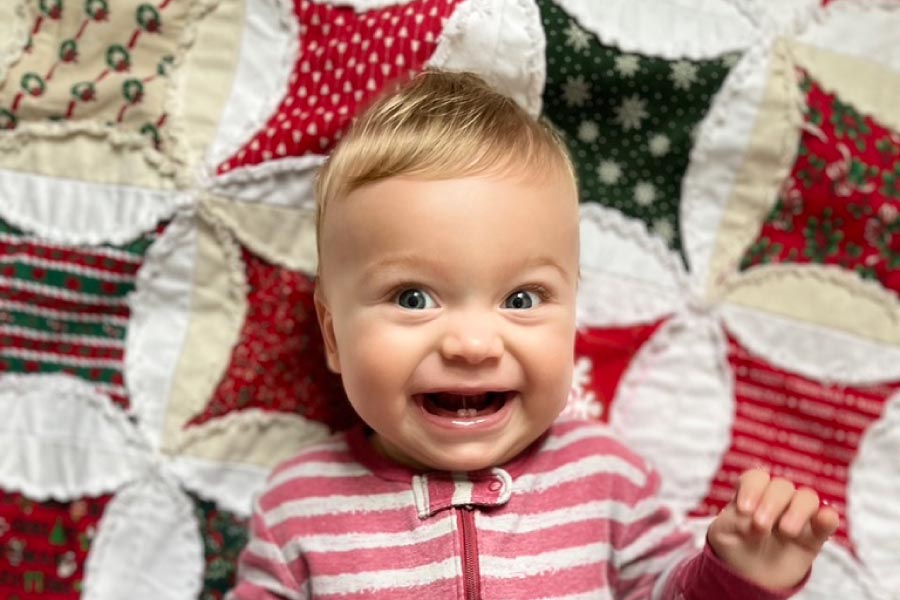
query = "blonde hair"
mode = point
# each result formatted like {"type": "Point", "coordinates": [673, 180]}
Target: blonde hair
{"type": "Point", "coordinates": [438, 125]}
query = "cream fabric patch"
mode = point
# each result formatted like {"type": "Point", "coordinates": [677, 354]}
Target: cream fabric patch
{"type": "Point", "coordinates": [854, 79]}
{"type": "Point", "coordinates": [97, 62]}
{"type": "Point", "coordinates": [281, 235]}
{"type": "Point", "coordinates": [251, 437]}
{"type": "Point", "coordinates": [87, 156]}
{"type": "Point", "coordinates": [218, 308]}
{"type": "Point", "coordinates": [827, 296]}
{"type": "Point", "coordinates": [205, 79]}
{"type": "Point", "coordinates": [767, 160]}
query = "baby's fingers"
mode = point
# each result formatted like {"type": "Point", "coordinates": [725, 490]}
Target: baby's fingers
{"type": "Point", "coordinates": [806, 522]}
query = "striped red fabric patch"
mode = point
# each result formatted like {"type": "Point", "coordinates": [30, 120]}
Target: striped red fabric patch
{"type": "Point", "coordinates": [798, 428]}
{"type": "Point", "coordinates": [65, 308]}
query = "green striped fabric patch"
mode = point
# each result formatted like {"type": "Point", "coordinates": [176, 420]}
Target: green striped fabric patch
{"type": "Point", "coordinates": [65, 308]}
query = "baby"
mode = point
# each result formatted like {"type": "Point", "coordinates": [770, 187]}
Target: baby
{"type": "Point", "coordinates": [448, 269]}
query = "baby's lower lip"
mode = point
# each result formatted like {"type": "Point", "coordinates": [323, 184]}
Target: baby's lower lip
{"type": "Point", "coordinates": [492, 412]}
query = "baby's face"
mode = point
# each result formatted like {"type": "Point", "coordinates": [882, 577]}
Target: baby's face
{"type": "Point", "coordinates": [448, 307]}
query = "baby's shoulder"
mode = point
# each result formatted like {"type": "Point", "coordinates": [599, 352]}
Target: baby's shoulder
{"type": "Point", "coordinates": [329, 459]}
{"type": "Point", "coordinates": [582, 440]}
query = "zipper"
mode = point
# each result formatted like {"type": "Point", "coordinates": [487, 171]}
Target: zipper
{"type": "Point", "coordinates": [465, 518]}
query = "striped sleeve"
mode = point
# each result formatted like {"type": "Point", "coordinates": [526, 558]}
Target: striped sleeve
{"type": "Point", "coordinates": [263, 572]}
{"type": "Point", "coordinates": [647, 548]}
{"type": "Point", "coordinates": [654, 558]}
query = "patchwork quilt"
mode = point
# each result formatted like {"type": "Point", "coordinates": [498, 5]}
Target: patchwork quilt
{"type": "Point", "coordinates": [739, 164]}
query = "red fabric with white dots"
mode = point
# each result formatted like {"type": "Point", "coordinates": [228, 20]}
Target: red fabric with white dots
{"type": "Point", "coordinates": [343, 61]}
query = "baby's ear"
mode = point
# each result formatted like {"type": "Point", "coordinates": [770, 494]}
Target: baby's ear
{"type": "Point", "coordinates": [326, 325]}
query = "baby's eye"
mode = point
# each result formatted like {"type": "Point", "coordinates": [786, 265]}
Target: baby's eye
{"type": "Point", "coordinates": [521, 300]}
{"type": "Point", "coordinates": [415, 299]}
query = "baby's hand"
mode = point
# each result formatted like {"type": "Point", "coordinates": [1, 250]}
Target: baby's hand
{"type": "Point", "coordinates": [770, 533]}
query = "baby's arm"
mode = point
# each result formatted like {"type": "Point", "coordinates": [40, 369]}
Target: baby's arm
{"type": "Point", "coordinates": [760, 546]}
{"type": "Point", "coordinates": [264, 572]}
{"type": "Point", "coordinates": [770, 533]}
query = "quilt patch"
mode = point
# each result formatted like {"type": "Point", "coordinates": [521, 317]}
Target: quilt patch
{"type": "Point", "coordinates": [96, 60]}
{"type": "Point", "coordinates": [65, 308]}
{"type": "Point", "coordinates": [601, 357]}
{"type": "Point", "coordinates": [45, 545]}
{"type": "Point", "coordinates": [840, 205]}
{"type": "Point", "coordinates": [796, 427]}
{"type": "Point", "coordinates": [224, 536]}
{"type": "Point", "coordinates": [278, 363]}
{"type": "Point", "coordinates": [628, 119]}
{"type": "Point", "coordinates": [344, 59]}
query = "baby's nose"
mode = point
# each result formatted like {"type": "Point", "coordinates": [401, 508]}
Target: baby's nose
{"type": "Point", "coordinates": [472, 342]}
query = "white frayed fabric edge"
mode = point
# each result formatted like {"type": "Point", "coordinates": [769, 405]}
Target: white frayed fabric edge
{"type": "Point", "coordinates": [873, 491]}
{"type": "Point", "coordinates": [81, 212]}
{"type": "Point", "coordinates": [716, 158]}
{"type": "Point", "coordinates": [675, 406]}
{"type": "Point", "coordinates": [621, 260]}
{"type": "Point", "coordinates": [61, 439]}
{"type": "Point", "coordinates": [268, 53]}
{"type": "Point", "coordinates": [673, 30]}
{"type": "Point", "coordinates": [160, 314]}
{"type": "Point", "coordinates": [148, 546]}
{"type": "Point", "coordinates": [812, 350]}
{"type": "Point", "coordinates": [503, 41]}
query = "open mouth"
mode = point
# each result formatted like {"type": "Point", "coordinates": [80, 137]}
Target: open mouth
{"type": "Point", "coordinates": [464, 406]}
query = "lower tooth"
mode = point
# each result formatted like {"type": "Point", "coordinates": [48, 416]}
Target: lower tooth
{"type": "Point", "coordinates": [466, 412]}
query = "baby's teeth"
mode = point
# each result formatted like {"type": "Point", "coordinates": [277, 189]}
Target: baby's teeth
{"type": "Point", "coordinates": [466, 412]}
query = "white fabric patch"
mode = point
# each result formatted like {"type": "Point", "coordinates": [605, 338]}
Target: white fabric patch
{"type": "Point", "coordinates": [628, 276]}
{"type": "Point", "coordinates": [698, 29]}
{"type": "Point", "coordinates": [716, 158]}
{"type": "Point", "coordinates": [284, 182]}
{"type": "Point", "coordinates": [160, 313]}
{"type": "Point", "coordinates": [82, 212]}
{"type": "Point", "coordinates": [675, 406]}
{"type": "Point", "coordinates": [873, 497]}
{"type": "Point", "coordinates": [148, 546]}
{"type": "Point", "coordinates": [836, 574]}
{"type": "Point", "coordinates": [268, 50]}
{"type": "Point", "coordinates": [232, 487]}
{"type": "Point", "coordinates": [61, 439]}
{"type": "Point", "coordinates": [503, 41]}
{"type": "Point", "coordinates": [812, 350]}
{"type": "Point", "coordinates": [866, 30]}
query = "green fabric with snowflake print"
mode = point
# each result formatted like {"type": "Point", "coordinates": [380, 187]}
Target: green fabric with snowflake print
{"type": "Point", "coordinates": [627, 119]}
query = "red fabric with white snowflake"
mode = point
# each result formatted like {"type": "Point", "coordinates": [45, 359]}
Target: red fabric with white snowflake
{"type": "Point", "coordinates": [344, 59]}
{"type": "Point", "coordinates": [610, 351]}
{"type": "Point", "coordinates": [841, 203]}
{"type": "Point", "coordinates": [45, 545]}
{"type": "Point", "coordinates": [278, 363]}
{"type": "Point", "coordinates": [798, 428]}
